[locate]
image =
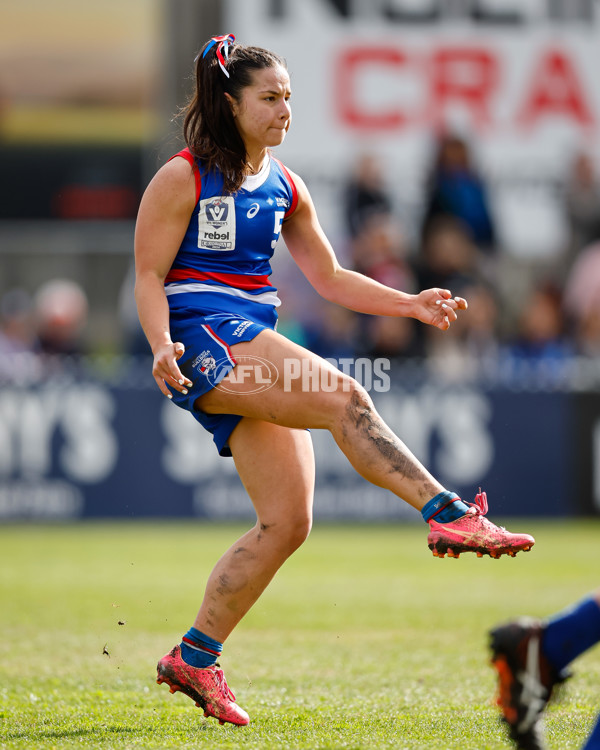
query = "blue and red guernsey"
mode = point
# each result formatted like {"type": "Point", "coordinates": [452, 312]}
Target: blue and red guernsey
{"type": "Point", "coordinates": [223, 264]}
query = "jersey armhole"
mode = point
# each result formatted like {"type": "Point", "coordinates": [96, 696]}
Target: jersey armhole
{"type": "Point", "coordinates": [293, 188]}
{"type": "Point", "coordinates": [188, 156]}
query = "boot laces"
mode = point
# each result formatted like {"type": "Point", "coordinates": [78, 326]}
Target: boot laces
{"type": "Point", "coordinates": [480, 506]}
{"type": "Point", "coordinates": [222, 683]}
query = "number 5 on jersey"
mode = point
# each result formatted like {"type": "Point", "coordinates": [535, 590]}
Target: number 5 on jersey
{"type": "Point", "coordinates": [278, 222]}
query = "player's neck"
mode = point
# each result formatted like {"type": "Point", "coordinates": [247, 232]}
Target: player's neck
{"type": "Point", "coordinates": [256, 161]}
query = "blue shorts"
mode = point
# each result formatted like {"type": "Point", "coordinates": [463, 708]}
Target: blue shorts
{"type": "Point", "coordinates": [207, 360]}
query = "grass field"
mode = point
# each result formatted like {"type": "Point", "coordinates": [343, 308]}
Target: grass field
{"type": "Point", "coordinates": [363, 640]}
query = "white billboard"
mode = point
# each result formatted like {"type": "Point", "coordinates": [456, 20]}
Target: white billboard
{"type": "Point", "coordinates": [517, 78]}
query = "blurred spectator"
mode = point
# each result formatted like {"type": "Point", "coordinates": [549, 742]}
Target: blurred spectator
{"type": "Point", "coordinates": [582, 300]}
{"type": "Point", "coordinates": [393, 338]}
{"type": "Point", "coordinates": [446, 356]}
{"type": "Point", "coordinates": [456, 189]}
{"type": "Point", "coordinates": [469, 350]}
{"type": "Point", "coordinates": [61, 310]}
{"type": "Point", "coordinates": [365, 194]}
{"type": "Point", "coordinates": [379, 251]}
{"type": "Point", "coordinates": [16, 322]}
{"type": "Point", "coordinates": [541, 346]}
{"type": "Point", "coordinates": [447, 260]}
{"type": "Point", "coordinates": [336, 333]}
{"type": "Point", "coordinates": [448, 257]}
{"type": "Point", "coordinates": [481, 326]}
{"type": "Point", "coordinates": [582, 205]}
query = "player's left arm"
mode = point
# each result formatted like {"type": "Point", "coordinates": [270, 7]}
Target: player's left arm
{"type": "Point", "coordinates": [316, 258]}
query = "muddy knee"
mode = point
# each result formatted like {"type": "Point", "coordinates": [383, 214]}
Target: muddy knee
{"type": "Point", "coordinates": [358, 408]}
{"type": "Point", "coordinates": [289, 534]}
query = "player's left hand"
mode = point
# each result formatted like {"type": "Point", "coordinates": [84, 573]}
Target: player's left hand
{"type": "Point", "coordinates": [437, 307]}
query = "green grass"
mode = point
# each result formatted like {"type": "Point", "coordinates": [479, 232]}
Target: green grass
{"type": "Point", "coordinates": [363, 640]}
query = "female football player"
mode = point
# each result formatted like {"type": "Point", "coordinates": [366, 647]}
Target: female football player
{"type": "Point", "coordinates": [207, 227]}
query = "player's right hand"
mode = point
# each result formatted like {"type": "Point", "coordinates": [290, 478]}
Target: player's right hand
{"type": "Point", "coordinates": [165, 369]}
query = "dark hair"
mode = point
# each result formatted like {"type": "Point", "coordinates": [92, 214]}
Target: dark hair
{"type": "Point", "coordinates": [209, 127]}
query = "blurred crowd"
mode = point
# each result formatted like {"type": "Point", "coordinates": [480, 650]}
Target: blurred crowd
{"type": "Point", "coordinates": [51, 322]}
{"type": "Point", "coordinates": [551, 322]}
{"type": "Point", "coordinates": [40, 333]}
{"type": "Point", "coordinates": [537, 333]}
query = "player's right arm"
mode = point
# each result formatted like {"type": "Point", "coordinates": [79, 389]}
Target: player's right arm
{"type": "Point", "coordinates": [162, 220]}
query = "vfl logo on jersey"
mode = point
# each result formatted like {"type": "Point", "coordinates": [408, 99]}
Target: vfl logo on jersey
{"type": "Point", "coordinates": [216, 223]}
{"type": "Point", "coordinates": [216, 212]}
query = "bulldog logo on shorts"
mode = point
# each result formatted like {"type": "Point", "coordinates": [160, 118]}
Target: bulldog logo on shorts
{"type": "Point", "coordinates": [208, 364]}
{"type": "Point", "coordinates": [204, 363]}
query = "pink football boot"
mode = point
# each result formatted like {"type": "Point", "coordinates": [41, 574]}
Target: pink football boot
{"type": "Point", "coordinates": [207, 687]}
{"type": "Point", "coordinates": [474, 533]}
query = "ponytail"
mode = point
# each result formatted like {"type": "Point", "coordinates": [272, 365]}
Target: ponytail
{"type": "Point", "coordinates": [209, 129]}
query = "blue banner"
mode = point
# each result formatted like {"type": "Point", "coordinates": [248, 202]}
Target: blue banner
{"type": "Point", "coordinates": [79, 447]}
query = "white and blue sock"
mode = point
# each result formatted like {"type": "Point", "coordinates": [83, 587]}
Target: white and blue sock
{"type": "Point", "coordinates": [444, 507]}
{"type": "Point", "coordinates": [571, 632]}
{"type": "Point", "coordinates": [199, 649]}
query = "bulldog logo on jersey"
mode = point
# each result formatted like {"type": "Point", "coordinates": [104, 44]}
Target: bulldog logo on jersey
{"type": "Point", "coordinates": [216, 223]}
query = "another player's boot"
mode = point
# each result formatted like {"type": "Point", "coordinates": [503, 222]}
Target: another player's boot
{"type": "Point", "coordinates": [474, 533]}
{"type": "Point", "coordinates": [526, 679]}
{"type": "Point", "coordinates": [206, 687]}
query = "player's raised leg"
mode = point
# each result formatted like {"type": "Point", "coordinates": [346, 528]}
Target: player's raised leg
{"type": "Point", "coordinates": [276, 466]}
{"type": "Point", "coordinates": [320, 396]}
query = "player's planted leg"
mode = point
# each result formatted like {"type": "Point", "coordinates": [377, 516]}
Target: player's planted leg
{"type": "Point", "coordinates": [207, 687]}
{"type": "Point", "coordinates": [276, 466]}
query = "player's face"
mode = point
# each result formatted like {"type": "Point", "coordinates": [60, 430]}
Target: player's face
{"type": "Point", "coordinates": [263, 114]}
